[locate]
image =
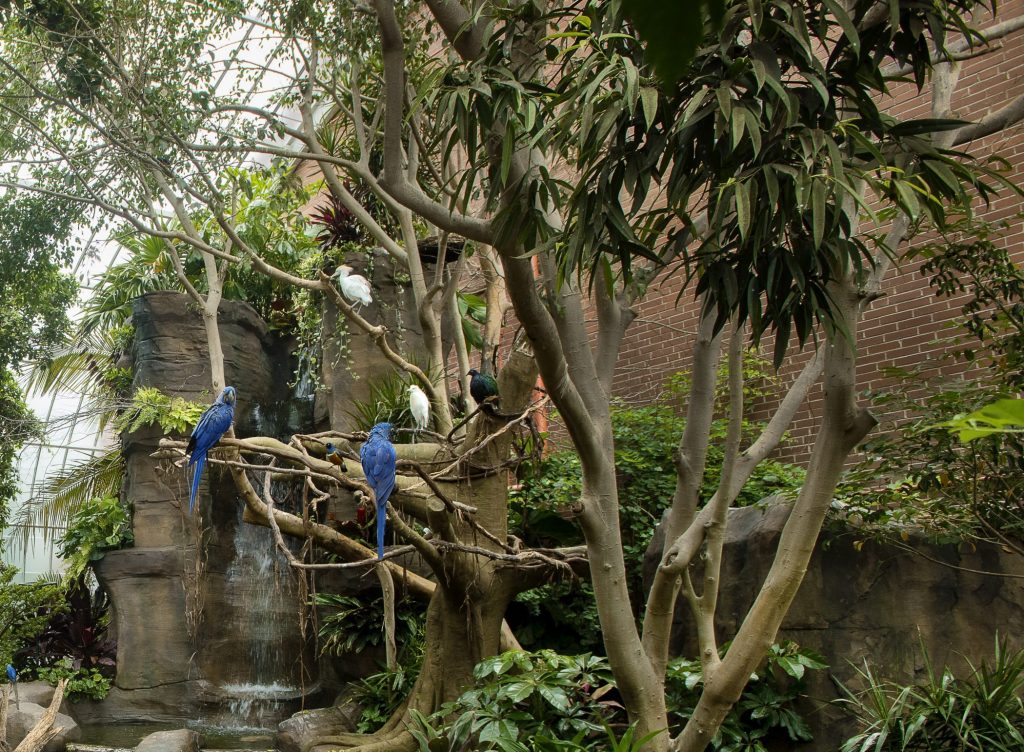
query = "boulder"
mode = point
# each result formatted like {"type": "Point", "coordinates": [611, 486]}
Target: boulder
{"type": "Point", "coordinates": [299, 731]}
{"type": "Point", "coordinates": [40, 693]}
{"type": "Point", "coordinates": [178, 740]}
{"type": "Point", "coordinates": [22, 719]}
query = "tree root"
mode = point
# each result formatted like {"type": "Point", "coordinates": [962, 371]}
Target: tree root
{"type": "Point", "coordinates": [396, 740]}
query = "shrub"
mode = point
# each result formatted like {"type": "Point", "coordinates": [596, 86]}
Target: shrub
{"type": "Point", "coordinates": [521, 702]}
{"type": "Point", "coordinates": [526, 701]}
{"type": "Point", "coordinates": [351, 625]}
{"type": "Point", "coordinates": [25, 610]}
{"type": "Point", "coordinates": [83, 683]}
{"type": "Point", "coordinates": [766, 710]}
{"type": "Point", "coordinates": [74, 632]}
{"type": "Point", "coordinates": [983, 711]}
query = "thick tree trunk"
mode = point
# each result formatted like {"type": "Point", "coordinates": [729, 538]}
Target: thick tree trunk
{"type": "Point", "coordinates": [463, 627]}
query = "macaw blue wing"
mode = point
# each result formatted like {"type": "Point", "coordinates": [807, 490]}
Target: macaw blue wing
{"type": "Point", "coordinates": [378, 458]}
{"type": "Point", "coordinates": [212, 425]}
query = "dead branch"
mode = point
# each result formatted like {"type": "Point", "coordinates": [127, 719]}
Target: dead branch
{"type": "Point", "coordinates": [44, 730]}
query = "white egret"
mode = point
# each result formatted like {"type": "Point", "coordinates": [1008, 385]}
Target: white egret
{"type": "Point", "coordinates": [419, 406]}
{"type": "Point", "coordinates": [353, 286]}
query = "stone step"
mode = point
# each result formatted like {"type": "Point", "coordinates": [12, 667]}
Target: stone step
{"type": "Point", "coordinates": [77, 747]}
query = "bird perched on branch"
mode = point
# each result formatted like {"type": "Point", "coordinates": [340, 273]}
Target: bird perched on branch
{"type": "Point", "coordinates": [419, 406]}
{"type": "Point", "coordinates": [213, 424]}
{"type": "Point", "coordinates": [12, 677]}
{"type": "Point", "coordinates": [335, 458]}
{"type": "Point", "coordinates": [378, 459]}
{"type": "Point", "coordinates": [354, 287]}
{"type": "Point", "coordinates": [482, 386]}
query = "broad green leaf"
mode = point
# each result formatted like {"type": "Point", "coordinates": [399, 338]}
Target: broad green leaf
{"type": "Point", "coordinates": [672, 31]}
{"type": "Point", "coordinates": [1002, 416]}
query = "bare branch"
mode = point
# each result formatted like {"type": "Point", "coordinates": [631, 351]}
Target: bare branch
{"type": "Point", "coordinates": [395, 179]}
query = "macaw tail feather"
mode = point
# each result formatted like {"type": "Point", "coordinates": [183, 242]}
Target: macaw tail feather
{"type": "Point", "coordinates": [381, 517]}
{"type": "Point", "coordinates": [17, 702]}
{"type": "Point", "coordinates": [200, 461]}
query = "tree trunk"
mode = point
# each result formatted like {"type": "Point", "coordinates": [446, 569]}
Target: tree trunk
{"type": "Point", "coordinates": [463, 627]}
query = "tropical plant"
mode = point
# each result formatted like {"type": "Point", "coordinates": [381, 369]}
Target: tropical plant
{"type": "Point", "coordinates": [63, 494]}
{"type": "Point", "coordinates": [982, 711]}
{"type": "Point", "coordinates": [381, 693]}
{"type": "Point", "coordinates": [522, 701]}
{"type": "Point", "coordinates": [102, 524]}
{"type": "Point", "coordinates": [351, 623]}
{"type": "Point", "coordinates": [83, 683]}
{"type": "Point", "coordinates": [25, 610]}
{"type": "Point", "coordinates": [766, 713]}
{"type": "Point", "coordinates": [74, 634]}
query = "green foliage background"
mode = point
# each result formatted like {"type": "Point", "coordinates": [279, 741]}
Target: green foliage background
{"type": "Point", "coordinates": [646, 439]}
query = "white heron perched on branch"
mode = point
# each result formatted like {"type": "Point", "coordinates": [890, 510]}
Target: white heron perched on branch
{"type": "Point", "coordinates": [354, 287]}
{"type": "Point", "coordinates": [419, 406]}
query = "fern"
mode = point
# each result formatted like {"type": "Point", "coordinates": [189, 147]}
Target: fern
{"type": "Point", "coordinates": [151, 406]}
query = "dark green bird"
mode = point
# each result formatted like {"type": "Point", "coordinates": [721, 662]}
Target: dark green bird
{"type": "Point", "coordinates": [335, 458]}
{"type": "Point", "coordinates": [482, 386]}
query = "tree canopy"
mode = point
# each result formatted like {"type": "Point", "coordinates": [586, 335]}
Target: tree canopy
{"type": "Point", "coordinates": [767, 176]}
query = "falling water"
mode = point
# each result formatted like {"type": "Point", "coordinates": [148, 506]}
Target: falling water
{"type": "Point", "coordinates": [262, 592]}
{"type": "Point", "coordinates": [264, 597]}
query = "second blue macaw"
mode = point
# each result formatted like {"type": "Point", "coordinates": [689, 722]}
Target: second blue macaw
{"type": "Point", "coordinates": [213, 424]}
{"type": "Point", "coordinates": [378, 459]}
{"type": "Point", "coordinates": [12, 677]}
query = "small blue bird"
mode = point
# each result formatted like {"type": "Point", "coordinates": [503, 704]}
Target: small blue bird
{"type": "Point", "coordinates": [213, 423]}
{"type": "Point", "coordinates": [335, 458]}
{"type": "Point", "coordinates": [12, 677]}
{"type": "Point", "coordinates": [378, 459]}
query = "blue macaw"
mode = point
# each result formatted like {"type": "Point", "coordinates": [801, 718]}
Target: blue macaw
{"type": "Point", "coordinates": [213, 423]}
{"type": "Point", "coordinates": [12, 677]}
{"type": "Point", "coordinates": [378, 458]}
{"type": "Point", "coordinates": [335, 458]}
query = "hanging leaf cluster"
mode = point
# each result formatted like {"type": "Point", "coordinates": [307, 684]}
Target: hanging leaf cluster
{"type": "Point", "coordinates": [772, 132]}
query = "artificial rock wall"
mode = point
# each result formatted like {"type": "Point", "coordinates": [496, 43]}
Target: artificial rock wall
{"type": "Point", "coordinates": [862, 601]}
{"type": "Point", "coordinates": [182, 632]}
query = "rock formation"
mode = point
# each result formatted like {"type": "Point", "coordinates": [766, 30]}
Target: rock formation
{"type": "Point", "coordinates": [185, 645]}
{"type": "Point", "coordinates": [869, 602]}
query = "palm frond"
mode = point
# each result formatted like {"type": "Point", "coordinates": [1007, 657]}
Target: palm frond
{"type": "Point", "coordinates": [62, 495]}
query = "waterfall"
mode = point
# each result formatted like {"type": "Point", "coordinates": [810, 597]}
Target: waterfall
{"type": "Point", "coordinates": [264, 597]}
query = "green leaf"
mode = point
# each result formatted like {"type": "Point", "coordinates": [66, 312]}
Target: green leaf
{"type": "Point", "coordinates": [649, 101]}
{"type": "Point", "coordinates": [555, 696]}
{"type": "Point", "coordinates": [849, 29]}
{"type": "Point", "coordinates": [672, 31]}
{"type": "Point", "coordinates": [818, 191]}
{"type": "Point", "coordinates": [742, 209]}
{"type": "Point", "coordinates": [1002, 416]}
{"type": "Point", "coordinates": [507, 147]}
